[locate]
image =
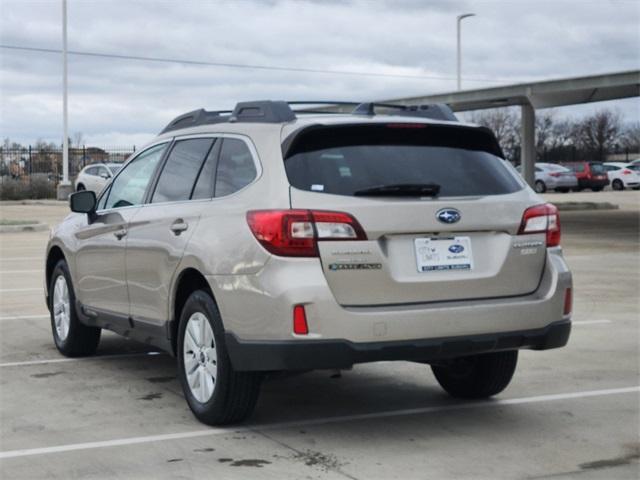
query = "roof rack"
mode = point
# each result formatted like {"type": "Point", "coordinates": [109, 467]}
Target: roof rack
{"type": "Point", "coordinates": [269, 111]}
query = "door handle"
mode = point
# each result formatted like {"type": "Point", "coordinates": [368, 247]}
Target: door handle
{"type": "Point", "coordinates": [179, 226]}
{"type": "Point", "coordinates": [120, 233]}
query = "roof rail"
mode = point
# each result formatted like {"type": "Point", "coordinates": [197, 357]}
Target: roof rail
{"type": "Point", "coordinates": [269, 111]}
{"type": "Point", "coordinates": [197, 117]}
{"type": "Point", "coordinates": [263, 111]}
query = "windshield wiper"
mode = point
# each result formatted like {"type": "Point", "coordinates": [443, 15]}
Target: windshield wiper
{"type": "Point", "coordinates": [401, 190]}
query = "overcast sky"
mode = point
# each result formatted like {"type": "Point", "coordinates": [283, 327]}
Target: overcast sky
{"type": "Point", "coordinates": [124, 102]}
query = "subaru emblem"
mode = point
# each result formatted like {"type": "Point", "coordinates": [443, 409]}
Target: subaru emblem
{"type": "Point", "coordinates": [456, 248]}
{"type": "Point", "coordinates": [448, 215]}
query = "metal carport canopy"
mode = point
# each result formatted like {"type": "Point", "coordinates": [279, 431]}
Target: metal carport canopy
{"type": "Point", "coordinates": [545, 94]}
{"type": "Point", "coordinates": [549, 93]}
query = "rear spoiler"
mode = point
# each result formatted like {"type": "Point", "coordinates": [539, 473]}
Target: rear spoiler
{"type": "Point", "coordinates": [310, 137]}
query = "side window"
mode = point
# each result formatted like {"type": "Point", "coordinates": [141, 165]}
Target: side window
{"type": "Point", "coordinates": [103, 172]}
{"type": "Point", "coordinates": [236, 168]}
{"type": "Point", "coordinates": [181, 169]}
{"type": "Point", "coordinates": [91, 171]}
{"type": "Point", "coordinates": [204, 184]}
{"type": "Point", "coordinates": [128, 188]}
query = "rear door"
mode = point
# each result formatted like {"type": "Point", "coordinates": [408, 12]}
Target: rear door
{"type": "Point", "coordinates": [161, 229]}
{"type": "Point", "coordinates": [459, 244]}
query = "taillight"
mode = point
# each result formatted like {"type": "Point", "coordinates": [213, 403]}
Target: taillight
{"type": "Point", "coordinates": [627, 172]}
{"type": "Point", "coordinates": [555, 174]}
{"type": "Point", "coordinates": [542, 219]}
{"type": "Point", "coordinates": [295, 233]}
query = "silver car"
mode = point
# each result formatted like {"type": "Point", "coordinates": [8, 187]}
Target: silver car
{"type": "Point", "coordinates": [269, 239]}
{"type": "Point", "coordinates": [551, 176]}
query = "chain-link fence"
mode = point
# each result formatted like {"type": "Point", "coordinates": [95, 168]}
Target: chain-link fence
{"type": "Point", "coordinates": [34, 172]}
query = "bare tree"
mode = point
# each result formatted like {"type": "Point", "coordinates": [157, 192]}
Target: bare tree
{"type": "Point", "coordinates": [544, 132]}
{"type": "Point", "coordinates": [597, 134]}
{"type": "Point", "coordinates": [78, 139]}
{"type": "Point", "coordinates": [630, 139]}
{"type": "Point", "coordinates": [505, 125]}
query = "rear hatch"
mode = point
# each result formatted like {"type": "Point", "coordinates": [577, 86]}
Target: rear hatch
{"type": "Point", "coordinates": [440, 209]}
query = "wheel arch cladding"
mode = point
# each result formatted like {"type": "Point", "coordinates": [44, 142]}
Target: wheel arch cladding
{"type": "Point", "coordinates": [188, 282]}
{"type": "Point", "coordinates": [53, 257]}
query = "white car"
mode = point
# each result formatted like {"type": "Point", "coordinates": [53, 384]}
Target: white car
{"type": "Point", "coordinates": [95, 176]}
{"type": "Point", "coordinates": [621, 176]}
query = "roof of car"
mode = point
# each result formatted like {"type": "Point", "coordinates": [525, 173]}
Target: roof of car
{"type": "Point", "coordinates": [288, 117]}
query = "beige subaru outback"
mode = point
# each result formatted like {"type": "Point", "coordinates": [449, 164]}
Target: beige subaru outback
{"type": "Point", "coordinates": [280, 237]}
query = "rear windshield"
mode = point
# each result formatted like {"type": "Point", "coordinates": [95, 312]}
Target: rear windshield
{"type": "Point", "coordinates": [343, 160]}
{"type": "Point", "coordinates": [597, 168]}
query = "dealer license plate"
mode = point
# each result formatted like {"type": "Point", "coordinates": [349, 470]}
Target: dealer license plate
{"type": "Point", "coordinates": [439, 254]}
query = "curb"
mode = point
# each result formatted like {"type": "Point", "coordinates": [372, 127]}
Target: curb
{"type": "Point", "coordinates": [31, 227]}
{"type": "Point", "coordinates": [576, 206]}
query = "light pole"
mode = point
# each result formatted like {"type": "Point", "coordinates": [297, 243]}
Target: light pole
{"type": "Point", "coordinates": [64, 188]}
{"type": "Point", "coordinates": [459, 19]}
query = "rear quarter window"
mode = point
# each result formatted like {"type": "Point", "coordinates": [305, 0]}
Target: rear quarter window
{"type": "Point", "coordinates": [343, 160]}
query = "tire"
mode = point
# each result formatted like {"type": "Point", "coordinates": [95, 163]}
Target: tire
{"type": "Point", "coordinates": [80, 188]}
{"type": "Point", "coordinates": [597, 189]}
{"type": "Point", "coordinates": [540, 186]}
{"type": "Point", "coordinates": [231, 396]}
{"type": "Point", "coordinates": [72, 338]}
{"type": "Point", "coordinates": [477, 376]}
{"type": "Point", "coordinates": [617, 184]}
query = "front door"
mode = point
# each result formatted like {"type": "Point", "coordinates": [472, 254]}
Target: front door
{"type": "Point", "coordinates": [100, 259]}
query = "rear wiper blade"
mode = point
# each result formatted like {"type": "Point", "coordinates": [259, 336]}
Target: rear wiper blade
{"type": "Point", "coordinates": [401, 190]}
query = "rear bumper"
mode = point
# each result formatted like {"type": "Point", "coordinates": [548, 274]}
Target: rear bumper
{"type": "Point", "coordinates": [591, 183]}
{"type": "Point", "coordinates": [319, 354]}
{"type": "Point", "coordinates": [564, 183]}
{"type": "Point", "coordinates": [257, 316]}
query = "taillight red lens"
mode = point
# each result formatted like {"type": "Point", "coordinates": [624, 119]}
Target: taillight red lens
{"type": "Point", "coordinates": [627, 172]}
{"type": "Point", "coordinates": [542, 218]}
{"type": "Point", "coordinates": [295, 233]}
{"type": "Point", "coordinates": [300, 326]}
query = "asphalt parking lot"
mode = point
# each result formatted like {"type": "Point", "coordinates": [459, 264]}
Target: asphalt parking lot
{"type": "Point", "coordinates": [569, 413]}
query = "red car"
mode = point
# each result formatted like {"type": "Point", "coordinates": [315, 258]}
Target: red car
{"type": "Point", "coordinates": [589, 174]}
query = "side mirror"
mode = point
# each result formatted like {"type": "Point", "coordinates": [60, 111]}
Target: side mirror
{"type": "Point", "coordinates": [83, 202]}
{"type": "Point", "coordinates": [106, 176]}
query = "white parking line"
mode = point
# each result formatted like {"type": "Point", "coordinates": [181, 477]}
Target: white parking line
{"type": "Point", "coordinates": [21, 271]}
{"type": "Point", "coordinates": [15, 290]}
{"type": "Point", "coordinates": [15, 259]}
{"type": "Point", "coordinates": [61, 360]}
{"type": "Point", "coordinates": [23, 317]}
{"type": "Point", "coordinates": [317, 421]}
{"type": "Point", "coordinates": [590, 322]}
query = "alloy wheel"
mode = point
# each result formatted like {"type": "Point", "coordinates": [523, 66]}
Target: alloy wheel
{"type": "Point", "coordinates": [200, 357]}
{"type": "Point", "coordinates": [61, 307]}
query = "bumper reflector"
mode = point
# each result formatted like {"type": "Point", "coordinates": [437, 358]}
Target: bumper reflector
{"type": "Point", "coordinates": [568, 302]}
{"type": "Point", "coordinates": [300, 326]}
